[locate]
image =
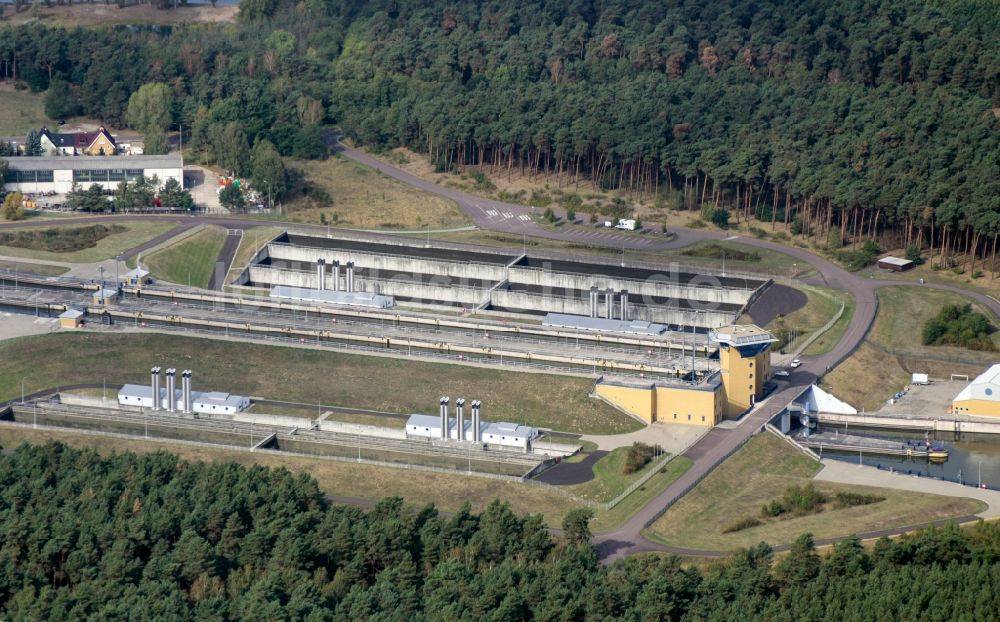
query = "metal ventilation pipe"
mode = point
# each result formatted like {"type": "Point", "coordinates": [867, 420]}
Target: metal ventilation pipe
{"type": "Point", "coordinates": [186, 390]}
{"type": "Point", "coordinates": [475, 421]}
{"type": "Point", "coordinates": [624, 299]}
{"type": "Point", "coordinates": [460, 423]}
{"type": "Point", "coordinates": [444, 417]}
{"type": "Point", "coordinates": [155, 373]}
{"type": "Point", "coordinates": [321, 273]}
{"type": "Point", "coordinates": [336, 275]}
{"type": "Point", "coordinates": [171, 390]}
{"type": "Point", "coordinates": [609, 303]}
{"type": "Point", "coordinates": [593, 300]}
{"type": "Point", "coordinates": [350, 276]}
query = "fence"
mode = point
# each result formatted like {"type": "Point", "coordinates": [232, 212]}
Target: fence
{"type": "Point", "coordinates": [639, 483]}
{"type": "Point", "coordinates": [801, 448]}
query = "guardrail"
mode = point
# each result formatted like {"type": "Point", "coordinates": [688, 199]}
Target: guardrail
{"type": "Point", "coordinates": [791, 441]}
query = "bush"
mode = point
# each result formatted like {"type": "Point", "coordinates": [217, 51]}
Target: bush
{"type": "Point", "coordinates": [570, 216]}
{"type": "Point", "coordinates": [958, 325]}
{"type": "Point", "coordinates": [758, 233]}
{"type": "Point", "coordinates": [482, 183]}
{"type": "Point", "coordinates": [833, 240]}
{"type": "Point", "coordinates": [720, 218]}
{"type": "Point", "coordinates": [639, 455]}
{"type": "Point", "coordinates": [739, 525]}
{"type": "Point", "coordinates": [851, 499]}
{"type": "Point", "coordinates": [549, 215]}
{"type": "Point", "coordinates": [797, 500]}
{"type": "Point", "coordinates": [572, 201]}
{"type": "Point", "coordinates": [798, 228]}
{"type": "Point", "coordinates": [913, 254]}
{"type": "Point", "coordinates": [978, 274]}
{"type": "Point", "coordinates": [958, 270]}
{"type": "Point", "coordinates": [541, 199]}
{"type": "Point", "coordinates": [593, 217]}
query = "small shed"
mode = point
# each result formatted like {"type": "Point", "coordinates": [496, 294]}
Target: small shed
{"type": "Point", "coordinates": [138, 276]}
{"type": "Point", "coordinates": [895, 264]}
{"type": "Point", "coordinates": [105, 296]}
{"type": "Point", "coordinates": [71, 318]}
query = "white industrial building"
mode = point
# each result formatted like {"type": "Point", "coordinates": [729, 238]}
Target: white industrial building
{"type": "Point", "coordinates": [182, 400]}
{"type": "Point", "coordinates": [501, 435]}
{"type": "Point", "coordinates": [353, 299]}
{"type": "Point", "coordinates": [36, 175]}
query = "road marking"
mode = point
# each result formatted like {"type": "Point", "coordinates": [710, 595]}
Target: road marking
{"type": "Point", "coordinates": [508, 215]}
{"type": "Point", "coordinates": [492, 213]}
{"type": "Point", "coordinates": [733, 237]}
{"type": "Point", "coordinates": [524, 217]}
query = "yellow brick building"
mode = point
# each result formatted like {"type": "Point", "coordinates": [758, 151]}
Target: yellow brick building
{"type": "Point", "coordinates": [744, 368]}
{"type": "Point", "coordinates": [981, 397]}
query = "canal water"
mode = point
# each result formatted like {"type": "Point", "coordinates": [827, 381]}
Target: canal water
{"type": "Point", "coordinates": [967, 457]}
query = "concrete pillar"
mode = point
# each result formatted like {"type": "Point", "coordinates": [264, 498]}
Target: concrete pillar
{"type": "Point", "coordinates": [460, 422]}
{"type": "Point", "coordinates": [171, 389]}
{"type": "Point", "coordinates": [609, 303]}
{"type": "Point", "coordinates": [336, 275]}
{"type": "Point", "coordinates": [155, 373]}
{"type": "Point", "coordinates": [593, 300]}
{"type": "Point", "coordinates": [624, 303]}
{"type": "Point", "coordinates": [321, 273]}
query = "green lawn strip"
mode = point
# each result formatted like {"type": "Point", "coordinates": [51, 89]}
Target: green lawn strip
{"type": "Point", "coordinates": [609, 478]}
{"type": "Point", "coordinates": [189, 261]}
{"type": "Point", "coordinates": [304, 375]}
{"type": "Point", "coordinates": [39, 269]}
{"type": "Point", "coordinates": [825, 342]}
{"type": "Point", "coordinates": [606, 520]}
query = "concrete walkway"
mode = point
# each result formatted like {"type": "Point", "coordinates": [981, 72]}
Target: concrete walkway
{"type": "Point", "coordinates": [675, 438]}
{"type": "Point", "coordinates": [840, 472]}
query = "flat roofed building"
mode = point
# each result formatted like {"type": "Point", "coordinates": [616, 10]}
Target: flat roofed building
{"type": "Point", "coordinates": [205, 402]}
{"type": "Point", "coordinates": [71, 318]}
{"type": "Point", "coordinates": [895, 264]}
{"type": "Point", "coordinates": [59, 173]}
{"type": "Point", "coordinates": [981, 397]}
{"type": "Point", "coordinates": [500, 434]}
{"type": "Point", "coordinates": [218, 403]}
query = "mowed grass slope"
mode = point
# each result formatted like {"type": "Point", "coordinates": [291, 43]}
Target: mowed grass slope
{"type": "Point", "coordinates": [308, 376]}
{"type": "Point", "coordinates": [189, 261]}
{"type": "Point", "coordinates": [20, 110]}
{"type": "Point", "coordinates": [894, 348]}
{"type": "Point", "coordinates": [365, 198]}
{"type": "Point", "coordinates": [761, 471]}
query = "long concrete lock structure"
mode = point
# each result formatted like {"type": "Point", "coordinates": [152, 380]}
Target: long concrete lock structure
{"type": "Point", "coordinates": [495, 281]}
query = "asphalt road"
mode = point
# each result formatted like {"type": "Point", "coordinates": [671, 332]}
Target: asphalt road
{"type": "Point", "coordinates": [718, 444]}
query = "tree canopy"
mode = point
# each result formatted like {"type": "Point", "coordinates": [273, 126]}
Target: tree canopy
{"type": "Point", "coordinates": [149, 536]}
{"type": "Point", "coordinates": [853, 117]}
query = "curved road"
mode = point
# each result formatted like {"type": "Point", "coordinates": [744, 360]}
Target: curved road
{"type": "Point", "coordinates": [719, 443]}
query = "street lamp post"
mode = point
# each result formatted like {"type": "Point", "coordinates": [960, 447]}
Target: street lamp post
{"type": "Point", "coordinates": [22, 389]}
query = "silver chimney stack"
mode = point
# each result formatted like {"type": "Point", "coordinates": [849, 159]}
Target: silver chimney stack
{"type": "Point", "coordinates": [336, 275]}
{"type": "Point", "coordinates": [321, 274]}
{"type": "Point", "coordinates": [444, 417]}
{"type": "Point", "coordinates": [593, 300]}
{"type": "Point", "coordinates": [155, 373]}
{"type": "Point", "coordinates": [186, 390]}
{"type": "Point", "coordinates": [350, 276]}
{"type": "Point", "coordinates": [624, 297]}
{"type": "Point", "coordinates": [460, 423]}
{"type": "Point", "coordinates": [609, 303]}
{"type": "Point", "coordinates": [476, 433]}
{"type": "Point", "coordinates": [171, 390]}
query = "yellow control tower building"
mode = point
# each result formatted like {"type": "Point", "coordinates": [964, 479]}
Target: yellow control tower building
{"type": "Point", "coordinates": [744, 368]}
{"type": "Point", "coordinates": [744, 364]}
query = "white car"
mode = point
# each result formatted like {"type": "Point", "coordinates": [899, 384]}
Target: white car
{"type": "Point", "coordinates": [783, 373]}
{"type": "Point", "coordinates": [795, 363]}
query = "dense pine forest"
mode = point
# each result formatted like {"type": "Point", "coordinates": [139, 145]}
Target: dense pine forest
{"type": "Point", "coordinates": [849, 119]}
{"type": "Point", "coordinates": [132, 537]}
